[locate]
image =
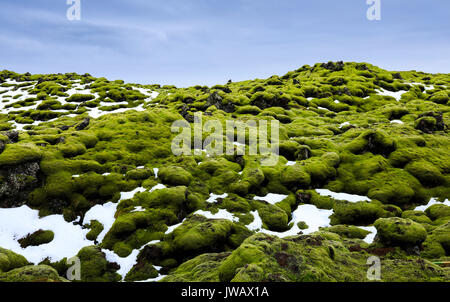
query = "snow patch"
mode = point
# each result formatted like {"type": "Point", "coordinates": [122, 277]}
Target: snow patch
{"type": "Point", "coordinates": [342, 196]}
{"type": "Point", "coordinates": [271, 198]}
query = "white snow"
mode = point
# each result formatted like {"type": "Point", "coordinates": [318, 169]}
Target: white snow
{"type": "Point", "coordinates": [138, 209]}
{"type": "Point", "coordinates": [256, 224]}
{"type": "Point", "coordinates": [397, 122]}
{"type": "Point", "coordinates": [103, 214]}
{"type": "Point", "coordinates": [221, 214]}
{"type": "Point", "coordinates": [157, 187]}
{"type": "Point", "coordinates": [432, 201]}
{"type": "Point", "coordinates": [129, 195]}
{"type": "Point", "coordinates": [271, 198]}
{"type": "Point", "coordinates": [344, 124]}
{"type": "Point", "coordinates": [342, 196]}
{"type": "Point", "coordinates": [213, 197]}
{"type": "Point", "coordinates": [373, 232]}
{"type": "Point", "coordinates": [155, 279]}
{"type": "Point", "coordinates": [171, 228]}
{"type": "Point", "coordinates": [310, 214]}
{"type": "Point", "coordinates": [125, 263]}
{"type": "Point", "coordinates": [397, 95]}
{"type": "Point", "coordinates": [16, 223]}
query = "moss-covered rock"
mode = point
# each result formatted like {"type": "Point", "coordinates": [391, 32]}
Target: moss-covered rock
{"type": "Point", "coordinates": [358, 213]}
{"type": "Point", "coordinates": [10, 260]}
{"type": "Point", "coordinates": [38, 273]}
{"type": "Point", "coordinates": [175, 176]}
{"type": "Point", "coordinates": [315, 257]}
{"type": "Point", "coordinates": [95, 267]}
{"type": "Point", "coordinates": [37, 238]}
{"type": "Point", "coordinates": [437, 244]}
{"type": "Point", "coordinates": [348, 231]}
{"type": "Point", "coordinates": [437, 211]}
{"type": "Point", "coordinates": [400, 231]}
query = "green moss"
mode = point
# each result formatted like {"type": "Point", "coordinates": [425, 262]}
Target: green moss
{"type": "Point", "coordinates": [295, 176]}
{"type": "Point", "coordinates": [437, 244]}
{"type": "Point", "coordinates": [95, 229]}
{"type": "Point", "coordinates": [438, 211]}
{"type": "Point", "coordinates": [399, 231]}
{"type": "Point", "coordinates": [358, 213]}
{"type": "Point", "coordinates": [38, 273]}
{"type": "Point", "coordinates": [10, 260]}
{"type": "Point", "coordinates": [426, 173]}
{"type": "Point", "coordinates": [274, 218]}
{"type": "Point", "coordinates": [175, 176]}
{"type": "Point", "coordinates": [95, 268]}
{"type": "Point", "coordinates": [417, 216]}
{"type": "Point", "coordinates": [37, 238]}
{"type": "Point", "coordinates": [202, 269]}
{"type": "Point", "coordinates": [201, 236]}
{"type": "Point", "coordinates": [347, 231]}
{"type": "Point", "coordinates": [141, 271]}
{"type": "Point", "coordinates": [15, 154]}
{"type": "Point", "coordinates": [79, 98]}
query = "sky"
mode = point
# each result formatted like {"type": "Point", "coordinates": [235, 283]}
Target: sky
{"type": "Point", "coordinates": [208, 42]}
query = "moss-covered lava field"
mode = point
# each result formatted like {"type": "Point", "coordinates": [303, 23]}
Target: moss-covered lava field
{"type": "Point", "coordinates": [87, 170]}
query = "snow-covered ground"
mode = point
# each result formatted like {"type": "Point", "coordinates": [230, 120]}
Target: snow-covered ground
{"type": "Point", "coordinates": [213, 197]}
{"type": "Point", "coordinates": [77, 88]}
{"type": "Point", "coordinates": [310, 214]}
{"type": "Point", "coordinates": [17, 223]}
{"type": "Point", "coordinates": [397, 95]}
{"type": "Point", "coordinates": [271, 198]}
{"type": "Point", "coordinates": [342, 196]}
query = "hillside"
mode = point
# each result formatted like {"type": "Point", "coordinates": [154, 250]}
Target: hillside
{"type": "Point", "coordinates": [87, 169]}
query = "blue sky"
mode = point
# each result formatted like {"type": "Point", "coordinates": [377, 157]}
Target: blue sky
{"type": "Point", "coordinates": [188, 42]}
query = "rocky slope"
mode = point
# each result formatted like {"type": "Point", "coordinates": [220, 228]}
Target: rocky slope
{"type": "Point", "coordinates": [87, 170]}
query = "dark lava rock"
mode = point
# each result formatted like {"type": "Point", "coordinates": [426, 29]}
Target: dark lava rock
{"type": "Point", "coordinates": [338, 66]}
{"type": "Point", "coordinates": [397, 76]}
{"type": "Point", "coordinates": [83, 124]}
{"type": "Point", "coordinates": [2, 146]}
{"type": "Point", "coordinates": [13, 136]}
{"type": "Point", "coordinates": [185, 114]}
{"type": "Point", "coordinates": [17, 182]}
{"type": "Point", "coordinates": [431, 121]}
{"type": "Point", "coordinates": [216, 99]}
{"type": "Point", "coordinates": [64, 127]}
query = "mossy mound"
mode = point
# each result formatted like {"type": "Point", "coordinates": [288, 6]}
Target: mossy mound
{"type": "Point", "coordinates": [347, 231]}
{"type": "Point", "coordinates": [317, 257]}
{"type": "Point", "coordinates": [71, 142]}
{"type": "Point", "coordinates": [37, 273]}
{"type": "Point", "coordinates": [175, 176]}
{"type": "Point", "coordinates": [95, 267]}
{"type": "Point", "coordinates": [37, 238]}
{"type": "Point", "coordinates": [400, 231]}
{"type": "Point", "coordinates": [437, 244]}
{"type": "Point", "coordinates": [10, 260]}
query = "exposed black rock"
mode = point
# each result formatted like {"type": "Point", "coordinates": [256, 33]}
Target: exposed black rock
{"type": "Point", "coordinates": [83, 124]}
{"type": "Point", "coordinates": [16, 183]}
